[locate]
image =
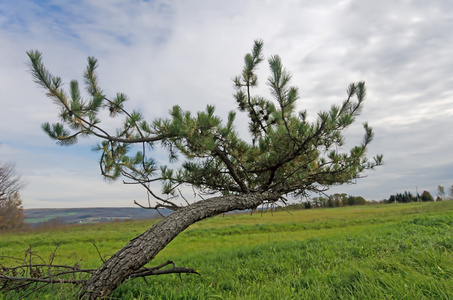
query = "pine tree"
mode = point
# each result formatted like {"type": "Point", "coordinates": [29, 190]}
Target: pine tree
{"type": "Point", "coordinates": [286, 154]}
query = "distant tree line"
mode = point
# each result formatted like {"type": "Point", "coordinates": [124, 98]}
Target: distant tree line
{"type": "Point", "coordinates": [408, 197]}
{"type": "Point", "coordinates": [339, 200]}
{"type": "Point", "coordinates": [335, 200]}
{"type": "Point", "coordinates": [426, 196]}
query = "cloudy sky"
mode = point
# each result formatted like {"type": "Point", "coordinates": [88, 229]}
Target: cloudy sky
{"type": "Point", "coordinates": [162, 53]}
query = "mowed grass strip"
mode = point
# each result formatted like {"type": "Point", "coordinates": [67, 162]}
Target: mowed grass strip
{"type": "Point", "coordinates": [372, 252]}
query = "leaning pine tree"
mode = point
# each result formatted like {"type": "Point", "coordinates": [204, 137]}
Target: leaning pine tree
{"type": "Point", "coordinates": [285, 154]}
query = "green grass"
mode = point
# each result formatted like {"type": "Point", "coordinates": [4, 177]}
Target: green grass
{"type": "Point", "coordinates": [402, 251]}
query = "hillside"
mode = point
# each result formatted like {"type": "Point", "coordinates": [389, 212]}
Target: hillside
{"type": "Point", "coordinates": [36, 217]}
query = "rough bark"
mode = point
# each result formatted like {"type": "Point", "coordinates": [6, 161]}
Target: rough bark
{"type": "Point", "coordinates": [142, 249]}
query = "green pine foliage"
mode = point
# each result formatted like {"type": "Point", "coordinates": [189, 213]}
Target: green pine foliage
{"type": "Point", "coordinates": [284, 154]}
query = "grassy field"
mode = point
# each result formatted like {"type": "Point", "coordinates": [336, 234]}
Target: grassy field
{"type": "Point", "coordinates": [397, 251]}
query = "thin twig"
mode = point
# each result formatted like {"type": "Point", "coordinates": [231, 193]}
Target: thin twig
{"type": "Point", "coordinates": [28, 273]}
{"type": "Point", "coordinates": [99, 253]}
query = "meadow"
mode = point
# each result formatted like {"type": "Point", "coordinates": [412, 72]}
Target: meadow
{"type": "Point", "coordinates": [393, 251]}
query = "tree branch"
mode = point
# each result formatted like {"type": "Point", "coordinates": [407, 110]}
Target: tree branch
{"type": "Point", "coordinates": [232, 169]}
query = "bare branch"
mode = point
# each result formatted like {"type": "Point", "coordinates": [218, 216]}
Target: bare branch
{"type": "Point", "coordinates": [22, 276]}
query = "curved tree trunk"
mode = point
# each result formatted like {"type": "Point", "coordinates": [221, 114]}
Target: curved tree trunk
{"type": "Point", "coordinates": [142, 249]}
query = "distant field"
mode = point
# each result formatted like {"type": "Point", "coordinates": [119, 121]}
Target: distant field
{"type": "Point", "coordinates": [394, 251]}
{"type": "Point", "coordinates": [49, 217]}
{"type": "Point", "coordinates": [37, 217]}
